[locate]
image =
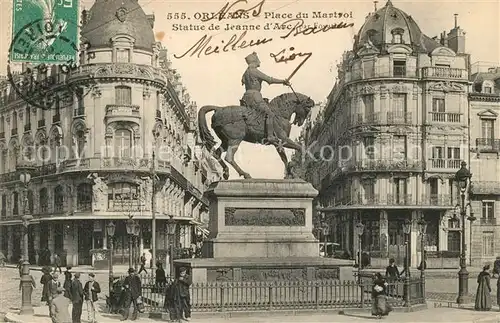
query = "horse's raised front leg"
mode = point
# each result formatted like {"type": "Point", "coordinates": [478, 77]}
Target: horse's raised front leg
{"type": "Point", "coordinates": [230, 152]}
{"type": "Point", "coordinates": [284, 159]}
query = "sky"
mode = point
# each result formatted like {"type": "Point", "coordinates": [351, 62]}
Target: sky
{"type": "Point", "coordinates": [216, 79]}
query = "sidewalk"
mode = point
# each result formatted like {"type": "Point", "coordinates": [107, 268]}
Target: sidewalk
{"type": "Point", "coordinates": [430, 315]}
{"type": "Point", "coordinates": [117, 269]}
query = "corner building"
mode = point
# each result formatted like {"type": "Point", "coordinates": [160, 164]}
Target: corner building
{"type": "Point", "coordinates": [397, 122]}
{"type": "Point", "coordinates": [126, 101]}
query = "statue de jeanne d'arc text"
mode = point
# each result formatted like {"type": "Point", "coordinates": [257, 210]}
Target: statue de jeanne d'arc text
{"type": "Point", "coordinates": [255, 120]}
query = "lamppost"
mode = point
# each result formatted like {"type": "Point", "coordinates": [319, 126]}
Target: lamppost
{"type": "Point", "coordinates": [130, 231]}
{"type": "Point", "coordinates": [171, 228]}
{"type": "Point", "coordinates": [359, 231]}
{"type": "Point", "coordinates": [110, 228]}
{"type": "Point", "coordinates": [463, 179]}
{"type": "Point", "coordinates": [471, 219]}
{"type": "Point", "coordinates": [423, 230]}
{"type": "Point", "coordinates": [136, 233]}
{"type": "Point", "coordinates": [26, 282]}
{"type": "Point", "coordinates": [406, 289]}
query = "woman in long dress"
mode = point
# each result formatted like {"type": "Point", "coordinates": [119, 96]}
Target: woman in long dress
{"type": "Point", "coordinates": [498, 293]}
{"type": "Point", "coordinates": [380, 307]}
{"type": "Point", "coordinates": [483, 297]}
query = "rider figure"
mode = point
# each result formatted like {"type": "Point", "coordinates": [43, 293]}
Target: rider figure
{"type": "Point", "coordinates": [252, 79]}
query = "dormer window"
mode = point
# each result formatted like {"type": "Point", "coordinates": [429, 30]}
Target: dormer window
{"type": "Point", "coordinates": [487, 89]}
{"type": "Point", "coordinates": [397, 36]}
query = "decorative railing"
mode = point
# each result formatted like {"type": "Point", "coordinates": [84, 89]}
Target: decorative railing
{"type": "Point", "coordinates": [444, 73]}
{"type": "Point", "coordinates": [399, 71]}
{"type": "Point", "coordinates": [41, 123]}
{"type": "Point", "coordinates": [264, 296]}
{"type": "Point", "coordinates": [56, 118]}
{"type": "Point", "coordinates": [399, 117]}
{"type": "Point", "coordinates": [488, 144]}
{"type": "Point", "coordinates": [38, 171]}
{"type": "Point", "coordinates": [122, 110]}
{"type": "Point", "coordinates": [445, 163]}
{"type": "Point", "coordinates": [485, 187]}
{"type": "Point", "coordinates": [387, 165]}
{"type": "Point", "coordinates": [445, 117]}
{"type": "Point", "coordinates": [402, 199]}
{"type": "Point", "coordinates": [442, 200]}
{"type": "Point", "coordinates": [27, 127]}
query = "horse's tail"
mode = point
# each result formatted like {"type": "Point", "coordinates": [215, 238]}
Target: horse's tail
{"type": "Point", "coordinates": [205, 135]}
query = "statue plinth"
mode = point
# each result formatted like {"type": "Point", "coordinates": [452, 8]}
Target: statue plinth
{"type": "Point", "coordinates": [261, 229]}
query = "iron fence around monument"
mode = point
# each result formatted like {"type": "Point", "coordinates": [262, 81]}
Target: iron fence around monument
{"type": "Point", "coordinates": [236, 296]}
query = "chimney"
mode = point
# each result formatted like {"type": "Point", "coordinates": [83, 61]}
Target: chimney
{"type": "Point", "coordinates": [375, 5]}
{"type": "Point", "coordinates": [456, 20]}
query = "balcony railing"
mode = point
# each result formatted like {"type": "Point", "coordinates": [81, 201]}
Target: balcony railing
{"type": "Point", "coordinates": [399, 71]}
{"type": "Point", "coordinates": [387, 165]}
{"type": "Point", "coordinates": [488, 144]}
{"type": "Point", "coordinates": [399, 117]}
{"type": "Point", "coordinates": [445, 117]}
{"type": "Point", "coordinates": [13, 131]}
{"type": "Point", "coordinates": [27, 127]}
{"type": "Point", "coordinates": [436, 200]}
{"type": "Point", "coordinates": [41, 123]}
{"type": "Point", "coordinates": [56, 118]}
{"type": "Point", "coordinates": [440, 200]}
{"type": "Point", "coordinates": [488, 221]}
{"type": "Point", "coordinates": [404, 199]}
{"type": "Point", "coordinates": [444, 73]}
{"type": "Point", "coordinates": [122, 110]}
{"type": "Point", "coordinates": [445, 163]}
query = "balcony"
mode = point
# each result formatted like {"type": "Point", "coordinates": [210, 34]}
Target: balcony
{"type": "Point", "coordinates": [488, 145]}
{"type": "Point", "coordinates": [436, 200]}
{"type": "Point", "coordinates": [485, 187]}
{"type": "Point", "coordinates": [392, 201]}
{"type": "Point", "coordinates": [390, 165]}
{"type": "Point", "coordinates": [56, 118]}
{"type": "Point", "coordinates": [41, 123]}
{"type": "Point", "coordinates": [445, 163]}
{"type": "Point", "coordinates": [444, 73]}
{"type": "Point", "coordinates": [445, 117]}
{"type": "Point", "coordinates": [399, 71]}
{"type": "Point", "coordinates": [399, 117]}
{"type": "Point", "coordinates": [121, 112]}
{"type": "Point", "coordinates": [2, 135]}
{"type": "Point", "coordinates": [488, 221]}
{"type": "Point", "coordinates": [404, 199]}
{"type": "Point", "coordinates": [13, 131]}
{"type": "Point", "coordinates": [27, 127]}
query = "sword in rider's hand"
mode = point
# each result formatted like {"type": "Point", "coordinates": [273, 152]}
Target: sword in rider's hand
{"type": "Point", "coordinates": [295, 71]}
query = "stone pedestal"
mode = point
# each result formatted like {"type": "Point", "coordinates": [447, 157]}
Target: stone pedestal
{"type": "Point", "coordinates": [262, 230]}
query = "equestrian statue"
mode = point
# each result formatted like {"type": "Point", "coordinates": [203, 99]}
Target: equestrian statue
{"type": "Point", "coordinates": [255, 120]}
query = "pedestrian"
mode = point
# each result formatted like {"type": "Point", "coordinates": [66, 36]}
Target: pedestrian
{"type": "Point", "coordinates": [57, 263]}
{"type": "Point", "coordinates": [77, 298]}
{"type": "Point", "coordinates": [392, 275]}
{"type": "Point", "coordinates": [132, 287]}
{"type": "Point", "coordinates": [54, 284]}
{"type": "Point", "coordinates": [59, 308]}
{"type": "Point", "coordinates": [143, 264]}
{"type": "Point", "coordinates": [498, 293]}
{"type": "Point", "coordinates": [160, 278]}
{"type": "Point", "coordinates": [184, 281]}
{"type": "Point", "coordinates": [2, 259]}
{"type": "Point", "coordinates": [67, 282]}
{"type": "Point", "coordinates": [90, 292]}
{"type": "Point", "coordinates": [380, 306]}
{"type": "Point", "coordinates": [483, 297]}
{"type": "Point", "coordinates": [44, 281]}
{"type": "Point", "coordinates": [496, 267]}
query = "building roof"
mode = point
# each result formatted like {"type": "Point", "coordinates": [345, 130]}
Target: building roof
{"type": "Point", "coordinates": [492, 75]}
{"type": "Point", "coordinates": [108, 18]}
{"type": "Point", "coordinates": [380, 26]}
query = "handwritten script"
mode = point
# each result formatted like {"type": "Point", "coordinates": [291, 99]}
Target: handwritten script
{"type": "Point", "coordinates": [224, 12]}
{"type": "Point", "coordinates": [298, 28]}
{"type": "Point", "coordinates": [204, 45]}
{"type": "Point", "coordinates": [291, 57]}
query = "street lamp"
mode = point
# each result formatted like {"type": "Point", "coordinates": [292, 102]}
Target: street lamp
{"type": "Point", "coordinates": [406, 287]}
{"type": "Point", "coordinates": [171, 228]}
{"type": "Point", "coordinates": [359, 231]}
{"type": "Point", "coordinates": [463, 178]}
{"type": "Point", "coordinates": [110, 228]}
{"type": "Point", "coordinates": [423, 230]}
{"type": "Point", "coordinates": [130, 225]}
{"type": "Point", "coordinates": [26, 282]}
{"type": "Point", "coordinates": [471, 219]}
{"type": "Point", "coordinates": [136, 233]}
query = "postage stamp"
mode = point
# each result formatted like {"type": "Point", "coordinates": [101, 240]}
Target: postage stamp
{"type": "Point", "coordinates": [44, 31]}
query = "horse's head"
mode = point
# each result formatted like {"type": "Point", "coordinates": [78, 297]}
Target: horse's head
{"type": "Point", "coordinates": [303, 105]}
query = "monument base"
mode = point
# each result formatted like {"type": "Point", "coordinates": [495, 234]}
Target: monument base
{"type": "Point", "coordinates": [266, 269]}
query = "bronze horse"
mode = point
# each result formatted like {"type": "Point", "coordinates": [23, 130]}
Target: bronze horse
{"type": "Point", "coordinates": [234, 124]}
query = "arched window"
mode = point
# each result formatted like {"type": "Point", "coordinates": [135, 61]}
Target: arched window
{"type": "Point", "coordinates": [80, 142]}
{"type": "Point", "coordinates": [14, 120]}
{"type": "Point", "coordinates": [58, 199]}
{"type": "Point", "coordinates": [15, 203]}
{"type": "Point", "coordinates": [84, 197]}
{"type": "Point", "coordinates": [13, 157]}
{"type": "Point", "coordinates": [123, 197]}
{"type": "Point", "coordinates": [123, 143]}
{"type": "Point", "coordinates": [29, 197]}
{"type": "Point", "coordinates": [44, 200]}
{"type": "Point", "coordinates": [123, 95]}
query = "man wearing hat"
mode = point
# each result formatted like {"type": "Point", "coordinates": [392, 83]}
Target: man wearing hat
{"type": "Point", "coordinates": [252, 80]}
{"type": "Point", "coordinates": [59, 308]}
{"type": "Point", "coordinates": [133, 289]}
{"type": "Point", "coordinates": [90, 292]}
{"type": "Point", "coordinates": [77, 298]}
